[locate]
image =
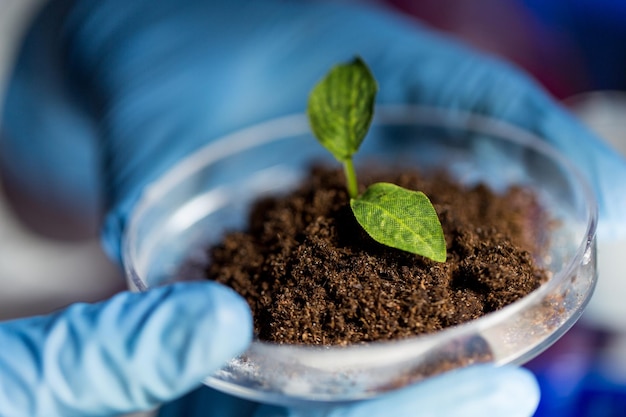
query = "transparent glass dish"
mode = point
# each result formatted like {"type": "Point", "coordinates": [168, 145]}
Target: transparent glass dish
{"type": "Point", "coordinates": [209, 193]}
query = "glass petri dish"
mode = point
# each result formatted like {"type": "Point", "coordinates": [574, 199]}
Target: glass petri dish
{"type": "Point", "coordinates": [209, 193]}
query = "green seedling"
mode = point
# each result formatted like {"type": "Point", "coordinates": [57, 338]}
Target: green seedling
{"type": "Point", "coordinates": [340, 111]}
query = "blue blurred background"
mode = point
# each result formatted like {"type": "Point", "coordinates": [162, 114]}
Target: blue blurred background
{"type": "Point", "coordinates": [570, 46]}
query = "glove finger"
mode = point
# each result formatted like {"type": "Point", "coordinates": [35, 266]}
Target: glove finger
{"type": "Point", "coordinates": [603, 167]}
{"type": "Point", "coordinates": [129, 353]}
{"type": "Point", "coordinates": [477, 391]}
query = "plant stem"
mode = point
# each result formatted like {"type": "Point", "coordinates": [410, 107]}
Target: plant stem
{"type": "Point", "coordinates": [352, 185]}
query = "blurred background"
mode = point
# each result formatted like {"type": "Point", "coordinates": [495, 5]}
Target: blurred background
{"type": "Point", "coordinates": [40, 272]}
{"type": "Point", "coordinates": [575, 48]}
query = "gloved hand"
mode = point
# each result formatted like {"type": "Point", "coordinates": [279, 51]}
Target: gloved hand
{"type": "Point", "coordinates": [126, 354]}
{"type": "Point", "coordinates": [146, 82]}
{"type": "Point", "coordinates": [137, 350]}
{"type": "Point", "coordinates": [127, 90]}
{"type": "Point", "coordinates": [475, 391]}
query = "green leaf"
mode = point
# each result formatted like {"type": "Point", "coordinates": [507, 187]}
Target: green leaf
{"type": "Point", "coordinates": [341, 108]}
{"type": "Point", "coordinates": [402, 219]}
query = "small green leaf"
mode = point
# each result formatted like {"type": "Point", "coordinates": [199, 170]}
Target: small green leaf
{"type": "Point", "coordinates": [341, 108]}
{"type": "Point", "coordinates": [402, 219]}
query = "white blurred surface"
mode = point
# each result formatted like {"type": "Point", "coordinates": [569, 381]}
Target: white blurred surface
{"type": "Point", "coordinates": [38, 275]}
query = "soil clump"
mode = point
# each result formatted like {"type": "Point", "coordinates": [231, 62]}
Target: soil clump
{"type": "Point", "coordinates": [312, 275]}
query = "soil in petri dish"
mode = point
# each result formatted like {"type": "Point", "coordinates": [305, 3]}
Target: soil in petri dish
{"type": "Point", "coordinates": [312, 275]}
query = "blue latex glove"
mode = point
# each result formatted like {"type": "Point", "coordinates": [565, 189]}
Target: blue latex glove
{"type": "Point", "coordinates": [144, 83]}
{"type": "Point", "coordinates": [129, 353]}
{"type": "Point", "coordinates": [129, 89]}
{"type": "Point", "coordinates": [481, 390]}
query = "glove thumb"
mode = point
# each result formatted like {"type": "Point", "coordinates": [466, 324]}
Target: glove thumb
{"type": "Point", "coordinates": [476, 391]}
{"type": "Point", "coordinates": [126, 354]}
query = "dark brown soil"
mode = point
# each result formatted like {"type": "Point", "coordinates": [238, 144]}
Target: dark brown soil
{"type": "Point", "coordinates": [312, 276]}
